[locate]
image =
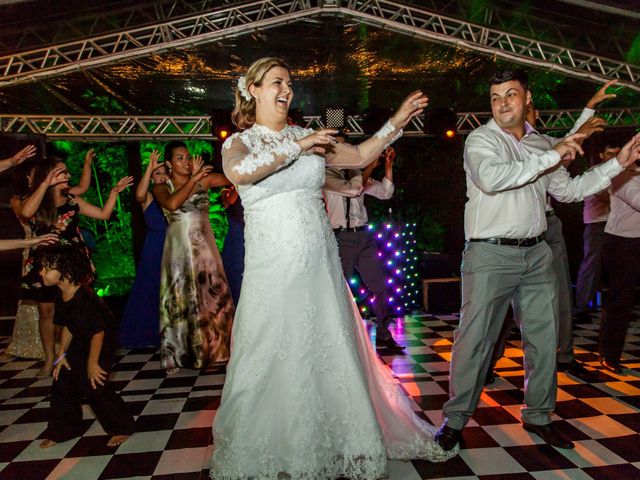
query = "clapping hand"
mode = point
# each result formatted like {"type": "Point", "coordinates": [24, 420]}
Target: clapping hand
{"type": "Point", "coordinates": [413, 105]}
{"type": "Point", "coordinates": [123, 183]}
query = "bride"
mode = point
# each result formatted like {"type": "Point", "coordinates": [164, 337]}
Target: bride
{"type": "Point", "coordinates": [305, 396]}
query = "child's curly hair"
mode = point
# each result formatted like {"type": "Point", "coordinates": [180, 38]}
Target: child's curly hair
{"type": "Point", "coordinates": [72, 264]}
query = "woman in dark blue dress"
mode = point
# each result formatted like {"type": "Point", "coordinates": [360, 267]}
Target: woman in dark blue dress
{"type": "Point", "coordinates": [233, 249]}
{"type": "Point", "coordinates": [140, 325]}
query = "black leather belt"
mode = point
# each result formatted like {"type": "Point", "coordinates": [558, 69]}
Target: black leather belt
{"type": "Point", "coordinates": [349, 229]}
{"type": "Point", "coordinates": [550, 213]}
{"type": "Point", "coordinates": [512, 242]}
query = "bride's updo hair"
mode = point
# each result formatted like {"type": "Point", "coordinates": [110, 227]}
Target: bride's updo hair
{"type": "Point", "coordinates": [244, 113]}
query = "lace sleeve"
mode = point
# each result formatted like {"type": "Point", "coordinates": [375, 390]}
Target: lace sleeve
{"type": "Point", "coordinates": [248, 160]}
{"type": "Point", "coordinates": [359, 156]}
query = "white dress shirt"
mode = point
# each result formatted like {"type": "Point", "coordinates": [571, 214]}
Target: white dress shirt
{"type": "Point", "coordinates": [507, 182]}
{"type": "Point", "coordinates": [338, 190]}
{"type": "Point", "coordinates": [596, 208]}
{"type": "Point", "coordinates": [624, 219]}
{"type": "Point", "coordinates": [585, 115]}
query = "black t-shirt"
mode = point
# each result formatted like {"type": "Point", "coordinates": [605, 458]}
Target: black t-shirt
{"type": "Point", "coordinates": [85, 315]}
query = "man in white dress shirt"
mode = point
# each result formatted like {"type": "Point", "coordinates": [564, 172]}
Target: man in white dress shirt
{"type": "Point", "coordinates": [506, 258]}
{"type": "Point", "coordinates": [594, 216]}
{"type": "Point", "coordinates": [621, 259]}
{"type": "Point", "coordinates": [344, 192]}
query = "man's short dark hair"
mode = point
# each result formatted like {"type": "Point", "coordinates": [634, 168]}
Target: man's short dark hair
{"type": "Point", "coordinates": [611, 143]}
{"type": "Point", "coordinates": [508, 75]}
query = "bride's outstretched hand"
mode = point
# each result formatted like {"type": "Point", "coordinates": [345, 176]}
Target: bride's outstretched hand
{"type": "Point", "coordinates": [318, 140]}
{"type": "Point", "coordinates": [411, 106]}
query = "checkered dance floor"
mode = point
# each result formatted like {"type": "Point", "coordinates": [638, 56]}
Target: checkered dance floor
{"type": "Point", "coordinates": [174, 416]}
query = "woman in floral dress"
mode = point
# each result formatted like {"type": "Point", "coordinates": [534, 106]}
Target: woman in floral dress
{"type": "Point", "coordinates": [196, 309]}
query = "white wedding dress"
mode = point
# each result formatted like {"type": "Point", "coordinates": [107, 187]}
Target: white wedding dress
{"type": "Point", "coordinates": [305, 395]}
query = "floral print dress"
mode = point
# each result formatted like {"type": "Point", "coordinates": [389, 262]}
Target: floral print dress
{"type": "Point", "coordinates": [67, 226]}
{"type": "Point", "coordinates": [196, 309]}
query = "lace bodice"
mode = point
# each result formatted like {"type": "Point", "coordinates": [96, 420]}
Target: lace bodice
{"type": "Point", "coordinates": [263, 162]}
{"type": "Point", "coordinates": [306, 173]}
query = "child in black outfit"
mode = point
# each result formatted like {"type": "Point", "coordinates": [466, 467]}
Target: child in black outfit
{"type": "Point", "coordinates": [86, 353]}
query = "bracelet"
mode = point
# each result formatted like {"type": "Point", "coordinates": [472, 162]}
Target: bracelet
{"type": "Point", "coordinates": [59, 359]}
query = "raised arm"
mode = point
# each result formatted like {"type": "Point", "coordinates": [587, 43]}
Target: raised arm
{"type": "Point", "coordinates": [15, 160]}
{"type": "Point", "coordinates": [173, 200]}
{"type": "Point", "coordinates": [211, 180]}
{"type": "Point", "coordinates": [105, 212]}
{"type": "Point", "coordinates": [491, 172]}
{"type": "Point", "coordinates": [143, 197]}
{"type": "Point", "coordinates": [26, 208]}
{"type": "Point", "coordinates": [85, 176]}
{"type": "Point", "coordinates": [349, 156]}
{"type": "Point", "coordinates": [566, 189]}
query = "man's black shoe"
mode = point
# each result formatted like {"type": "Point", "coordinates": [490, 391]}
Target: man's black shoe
{"type": "Point", "coordinates": [490, 378]}
{"type": "Point", "coordinates": [390, 344]}
{"type": "Point", "coordinates": [550, 434]}
{"type": "Point", "coordinates": [614, 367]}
{"type": "Point", "coordinates": [577, 370]}
{"type": "Point", "coordinates": [582, 317]}
{"type": "Point", "coordinates": [448, 437]}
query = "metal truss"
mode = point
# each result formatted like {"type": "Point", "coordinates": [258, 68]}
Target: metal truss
{"type": "Point", "coordinates": [243, 18]}
{"type": "Point", "coordinates": [133, 128]}
{"type": "Point", "coordinates": [463, 34]}
{"type": "Point", "coordinates": [98, 20]}
{"type": "Point", "coordinates": [108, 128]}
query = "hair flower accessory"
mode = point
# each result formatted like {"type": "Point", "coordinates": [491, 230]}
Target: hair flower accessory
{"type": "Point", "coordinates": [242, 87]}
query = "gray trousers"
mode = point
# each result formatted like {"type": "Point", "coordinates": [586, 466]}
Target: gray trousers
{"type": "Point", "coordinates": [493, 276]}
{"type": "Point", "coordinates": [359, 251]}
{"type": "Point", "coordinates": [555, 240]}
{"type": "Point", "coordinates": [591, 266]}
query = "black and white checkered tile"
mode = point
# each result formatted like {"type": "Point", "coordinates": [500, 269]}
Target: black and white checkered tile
{"type": "Point", "coordinates": [174, 417]}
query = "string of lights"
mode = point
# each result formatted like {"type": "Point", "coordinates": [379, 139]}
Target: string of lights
{"type": "Point", "coordinates": [397, 249]}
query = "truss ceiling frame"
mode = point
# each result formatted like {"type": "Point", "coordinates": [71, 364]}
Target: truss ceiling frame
{"type": "Point", "coordinates": [245, 18]}
{"type": "Point", "coordinates": [136, 128]}
{"type": "Point", "coordinates": [93, 23]}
